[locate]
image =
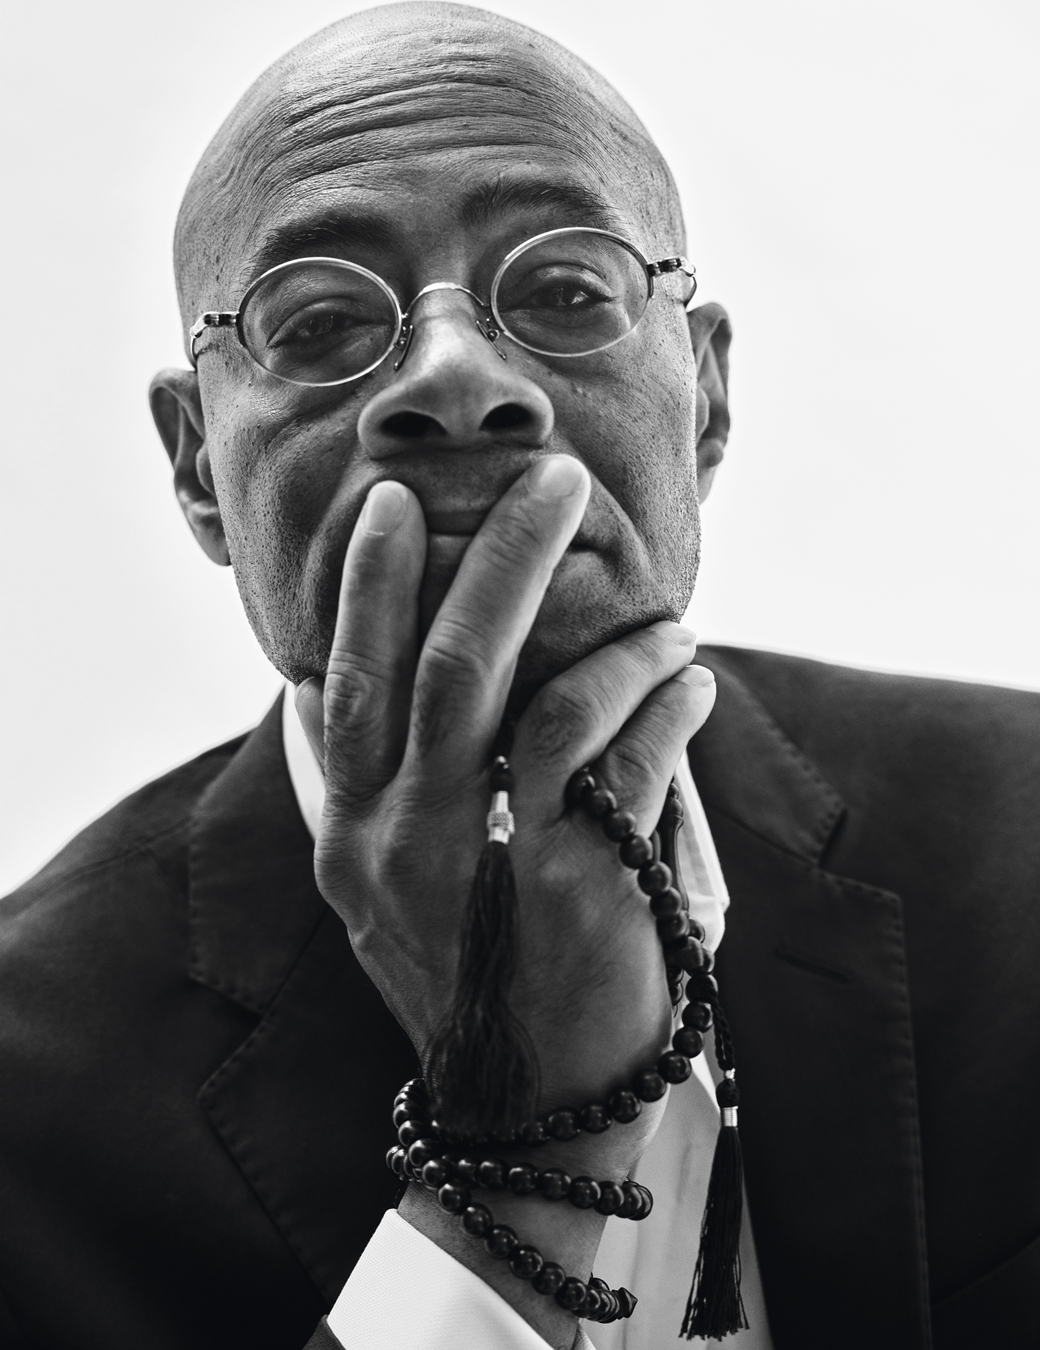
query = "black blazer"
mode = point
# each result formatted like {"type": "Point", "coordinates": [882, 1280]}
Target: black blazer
{"type": "Point", "coordinates": [195, 1076]}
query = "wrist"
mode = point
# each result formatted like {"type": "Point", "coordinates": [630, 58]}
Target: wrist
{"type": "Point", "coordinates": [541, 1212]}
{"type": "Point", "coordinates": [561, 1233]}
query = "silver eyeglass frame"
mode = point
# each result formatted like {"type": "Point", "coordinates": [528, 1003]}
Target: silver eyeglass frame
{"type": "Point", "coordinates": [403, 329]}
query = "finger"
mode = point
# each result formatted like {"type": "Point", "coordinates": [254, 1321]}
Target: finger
{"type": "Point", "coordinates": [467, 663]}
{"type": "Point", "coordinates": [310, 709]}
{"type": "Point", "coordinates": [368, 684]}
{"type": "Point", "coordinates": [572, 720]}
{"type": "Point", "coordinates": [639, 763]}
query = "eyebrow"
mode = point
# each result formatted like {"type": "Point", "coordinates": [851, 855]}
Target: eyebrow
{"type": "Point", "coordinates": [488, 202]}
{"type": "Point", "coordinates": [333, 232]}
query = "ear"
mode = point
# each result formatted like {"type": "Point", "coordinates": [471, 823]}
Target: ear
{"type": "Point", "coordinates": [177, 410]}
{"type": "Point", "coordinates": [711, 334]}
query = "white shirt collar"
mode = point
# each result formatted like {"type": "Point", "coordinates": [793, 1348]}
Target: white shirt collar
{"type": "Point", "coordinates": [701, 872]}
{"type": "Point", "coordinates": [304, 770]}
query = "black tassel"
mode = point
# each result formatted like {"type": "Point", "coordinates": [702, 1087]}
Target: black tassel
{"type": "Point", "coordinates": [715, 1308]}
{"type": "Point", "coordinates": [482, 1064]}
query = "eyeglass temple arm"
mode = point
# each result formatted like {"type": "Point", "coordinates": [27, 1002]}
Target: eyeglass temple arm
{"type": "Point", "coordinates": [679, 264]}
{"type": "Point", "coordinates": [211, 318]}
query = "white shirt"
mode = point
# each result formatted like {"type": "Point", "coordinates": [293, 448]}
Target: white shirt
{"type": "Point", "coordinates": [407, 1291]}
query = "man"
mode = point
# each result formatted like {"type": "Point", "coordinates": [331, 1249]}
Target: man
{"type": "Point", "coordinates": [454, 458]}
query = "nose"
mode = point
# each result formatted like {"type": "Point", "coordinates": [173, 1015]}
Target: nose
{"type": "Point", "coordinates": [454, 392]}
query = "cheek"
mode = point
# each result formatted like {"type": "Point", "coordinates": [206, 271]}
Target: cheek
{"type": "Point", "coordinates": [635, 422]}
{"type": "Point", "coordinates": [284, 470]}
{"type": "Point", "coordinates": [279, 456]}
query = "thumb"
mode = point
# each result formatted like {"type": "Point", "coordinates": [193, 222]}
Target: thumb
{"type": "Point", "coordinates": [310, 708]}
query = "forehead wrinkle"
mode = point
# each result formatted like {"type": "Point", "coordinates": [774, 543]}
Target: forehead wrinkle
{"type": "Point", "coordinates": [452, 64]}
{"type": "Point", "coordinates": [279, 192]}
{"type": "Point", "coordinates": [341, 133]}
{"type": "Point", "coordinates": [433, 93]}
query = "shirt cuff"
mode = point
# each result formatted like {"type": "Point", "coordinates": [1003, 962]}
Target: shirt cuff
{"type": "Point", "coordinates": [406, 1292]}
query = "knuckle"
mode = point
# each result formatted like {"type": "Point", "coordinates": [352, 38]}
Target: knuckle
{"type": "Point", "coordinates": [351, 669]}
{"type": "Point", "coordinates": [349, 703]}
{"type": "Point", "coordinates": [453, 673]}
{"type": "Point", "coordinates": [628, 766]}
{"type": "Point", "coordinates": [456, 654]}
{"type": "Point", "coordinates": [558, 717]}
{"type": "Point", "coordinates": [397, 858]}
{"type": "Point", "coordinates": [646, 651]}
{"type": "Point", "coordinates": [516, 538]}
{"type": "Point", "coordinates": [344, 698]}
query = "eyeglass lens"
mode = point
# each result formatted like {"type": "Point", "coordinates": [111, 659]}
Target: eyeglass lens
{"type": "Point", "coordinates": [323, 321]}
{"type": "Point", "coordinates": [319, 322]}
{"type": "Point", "coordinates": [570, 295]}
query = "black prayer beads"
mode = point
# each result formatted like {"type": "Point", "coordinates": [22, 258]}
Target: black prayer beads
{"type": "Point", "coordinates": [420, 1157]}
{"type": "Point", "coordinates": [452, 1167]}
{"type": "Point", "coordinates": [682, 938]}
{"type": "Point", "coordinates": [425, 1160]}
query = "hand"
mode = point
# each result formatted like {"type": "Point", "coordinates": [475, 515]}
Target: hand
{"type": "Point", "coordinates": [407, 738]}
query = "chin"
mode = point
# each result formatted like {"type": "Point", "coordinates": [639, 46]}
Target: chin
{"type": "Point", "coordinates": [587, 606]}
{"type": "Point", "coordinates": [592, 600]}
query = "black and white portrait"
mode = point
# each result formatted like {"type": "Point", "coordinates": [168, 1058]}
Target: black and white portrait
{"type": "Point", "coordinates": [521, 690]}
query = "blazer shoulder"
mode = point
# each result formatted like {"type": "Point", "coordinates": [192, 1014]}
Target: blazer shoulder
{"type": "Point", "coordinates": [143, 821]}
{"type": "Point", "coordinates": [925, 759]}
{"type": "Point", "coordinates": [817, 702]}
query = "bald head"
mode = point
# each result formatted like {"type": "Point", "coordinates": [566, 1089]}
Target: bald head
{"type": "Point", "coordinates": [376, 87]}
{"type": "Point", "coordinates": [426, 144]}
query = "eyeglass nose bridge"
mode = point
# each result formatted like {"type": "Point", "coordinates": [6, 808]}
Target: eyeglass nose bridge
{"type": "Point", "coordinates": [488, 328]}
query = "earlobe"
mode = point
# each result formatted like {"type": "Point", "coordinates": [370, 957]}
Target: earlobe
{"type": "Point", "coordinates": [177, 411]}
{"type": "Point", "coordinates": [711, 334]}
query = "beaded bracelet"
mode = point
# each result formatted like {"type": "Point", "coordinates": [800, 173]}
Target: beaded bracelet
{"type": "Point", "coordinates": [424, 1160]}
{"type": "Point", "coordinates": [421, 1159]}
{"type": "Point", "coordinates": [428, 1152]}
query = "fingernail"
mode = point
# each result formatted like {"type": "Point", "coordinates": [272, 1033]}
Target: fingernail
{"type": "Point", "coordinates": [555, 476]}
{"type": "Point", "coordinates": [698, 676]}
{"type": "Point", "coordinates": [674, 632]}
{"type": "Point", "coordinates": [384, 508]}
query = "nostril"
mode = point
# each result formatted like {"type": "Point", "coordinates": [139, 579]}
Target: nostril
{"type": "Point", "coordinates": [503, 417]}
{"type": "Point", "coordinates": [412, 425]}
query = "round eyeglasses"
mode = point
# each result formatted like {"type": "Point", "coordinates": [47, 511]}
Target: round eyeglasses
{"type": "Point", "coordinates": [324, 321]}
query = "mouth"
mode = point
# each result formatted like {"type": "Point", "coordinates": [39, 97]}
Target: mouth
{"type": "Point", "coordinates": [462, 525]}
{"type": "Point", "coordinates": [449, 535]}
{"type": "Point", "coordinates": [459, 522]}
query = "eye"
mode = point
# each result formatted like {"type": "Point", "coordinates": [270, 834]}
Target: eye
{"type": "Point", "coordinates": [563, 294]}
{"type": "Point", "coordinates": [557, 286]}
{"type": "Point", "coordinates": [316, 326]}
{"type": "Point", "coordinates": [320, 323]}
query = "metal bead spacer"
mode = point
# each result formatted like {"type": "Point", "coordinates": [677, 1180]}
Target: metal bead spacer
{"type": "Point", "coordinates": [500, 824]}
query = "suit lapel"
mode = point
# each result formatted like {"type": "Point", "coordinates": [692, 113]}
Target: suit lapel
{"type": "Point", "coordinates": [253, 902]}
{"type": "Point", "coordinates": [813, 979]}
{"type": "Point", "coordinates": [303, 1104]}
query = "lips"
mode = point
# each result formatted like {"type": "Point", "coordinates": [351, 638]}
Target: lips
{"type": "Point", "coordinates": [454, 522]}
{"type": "Point", "coordinates": [465, 524]}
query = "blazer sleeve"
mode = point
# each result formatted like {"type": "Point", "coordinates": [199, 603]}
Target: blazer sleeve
{"type": "Point", "coordinates": [323, 1338]}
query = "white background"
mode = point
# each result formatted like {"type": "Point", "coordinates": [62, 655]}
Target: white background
{"type": "Point", "coordinates": [860, 185]}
